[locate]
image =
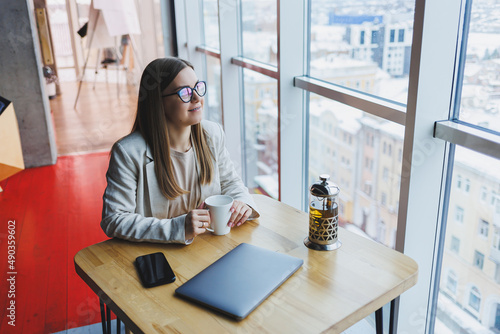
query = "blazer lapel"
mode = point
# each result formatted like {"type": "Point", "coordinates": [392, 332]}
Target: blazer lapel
{"type": "Point", "coordinates": [159, 207]}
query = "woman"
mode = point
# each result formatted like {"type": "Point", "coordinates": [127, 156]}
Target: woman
{"type": "Point", "coordinates": [160, 174]}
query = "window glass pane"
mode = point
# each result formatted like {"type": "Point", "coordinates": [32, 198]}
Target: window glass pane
{"type": "Point", "coordinates": [480, 100]}
{"type": "Point", "coordinates": [472, 249]}
{"type": "Point", "coordinates": [211, 23]}
{"type": "Point", "coordinates": [259, 27]}
{"type": "Point", "coordinates": [349, 145]}
{"type": "Point", "coordinates": [61, 36]}
{"type": "Point", "coordinates": [363, 45]}
{"type": "Point", "coordinates": [212, 99]}
{"type": "Point", "coordinates": [261, 133]}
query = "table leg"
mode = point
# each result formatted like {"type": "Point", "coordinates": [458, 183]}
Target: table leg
{"type": "Point", "coordinates": [117, 325]}
{"type": "Point", "coordinates": [379, 322]}
{"type": "Point", "coordinates": [108, 319]}
{"type": "Point", "coordinates": [391, 317]}
{"type": "Point", "coordinates": [103, 317]}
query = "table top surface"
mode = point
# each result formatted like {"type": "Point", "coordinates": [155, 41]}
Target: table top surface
{"type": "Point", "coordinates": [331, 291]}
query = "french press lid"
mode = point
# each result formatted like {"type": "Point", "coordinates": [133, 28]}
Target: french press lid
{"type": "Point", "coordinates": [323, 188]}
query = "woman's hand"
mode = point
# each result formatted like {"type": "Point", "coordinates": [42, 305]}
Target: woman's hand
{"type": "Point", "coordinates": [240, 213]}
{"type": "Point", "coordinates": [196, 223]}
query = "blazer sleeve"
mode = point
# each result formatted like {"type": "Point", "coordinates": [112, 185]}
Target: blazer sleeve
{"type": "Point", "coordinates": [119, 217]}
{"type": "Point", "coordinates": [230, 182]}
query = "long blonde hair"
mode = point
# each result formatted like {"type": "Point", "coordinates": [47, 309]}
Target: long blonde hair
{"type": "Point", "coordinates": [151, 122]}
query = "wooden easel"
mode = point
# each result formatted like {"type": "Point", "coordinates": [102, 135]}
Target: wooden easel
{"type": "Point", "coordinates": [133, 48]}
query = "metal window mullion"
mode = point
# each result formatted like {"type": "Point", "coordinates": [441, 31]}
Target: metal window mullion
{"type": "Point", "coordinates": [231, 81]}
{"type": "Point", "coordinates": [389, 110]}
{"type": "Point", "coordinates": [257, 66]}
{"type": "Point", "coordinates": [181, 28]}
{"type": "Point", "coordinates": [292, 131]}
{"type": "Point", "coordinates": [169, 29]}
{"type": "Point", "coordinates": [435, 35]}
{"type": "Point", "coordinates": [469, 136]}
{"type": "Point", "coordinates": [212, 52]}
{"type": "Point", "coordinates": [194, 34]}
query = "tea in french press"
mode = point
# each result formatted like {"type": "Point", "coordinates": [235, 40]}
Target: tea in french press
{"type": "Point", "coordinates": [323, 215]}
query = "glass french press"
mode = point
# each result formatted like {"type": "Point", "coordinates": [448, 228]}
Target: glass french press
{"type": "Point", "coordinates": [323, 215]}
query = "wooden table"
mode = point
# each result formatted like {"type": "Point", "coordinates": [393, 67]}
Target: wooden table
{"type": "Point", "coordinates": [330, 292]}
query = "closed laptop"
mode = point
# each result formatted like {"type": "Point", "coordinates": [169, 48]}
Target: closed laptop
{"type": "Point", "coordinates": [240, 280]}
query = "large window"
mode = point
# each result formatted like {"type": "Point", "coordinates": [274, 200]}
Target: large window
{"type": "Point", "coordinates": [261, 133]}
{"type": "Point", "coordinates": [480, 97]}
{"type": "Point", "coordinates": [477, 177]}
{"type": "Point", "coordinates": [401, 111]}
{"type": "Point", "coordinates": [478, 258]}
{"type": "Point", "coordinates": [210, 38]}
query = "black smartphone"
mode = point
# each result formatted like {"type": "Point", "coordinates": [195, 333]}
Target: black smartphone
{"type": "Point", "coordinates": [154, 270]}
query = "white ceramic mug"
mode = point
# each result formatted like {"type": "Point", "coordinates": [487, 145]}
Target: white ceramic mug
{"type": "Point", "coordinates": [219, 207]}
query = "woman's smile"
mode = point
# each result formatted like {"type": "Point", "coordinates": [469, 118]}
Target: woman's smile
{"type": "Point", "coordinates": [198, 108]}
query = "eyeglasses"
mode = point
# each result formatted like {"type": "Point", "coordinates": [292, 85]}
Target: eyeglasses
{"type": "Point", "coordinates": [186, 92]}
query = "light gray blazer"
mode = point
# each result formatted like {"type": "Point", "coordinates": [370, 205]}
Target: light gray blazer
{"type": "Point", "coordinates": [134, 207]}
